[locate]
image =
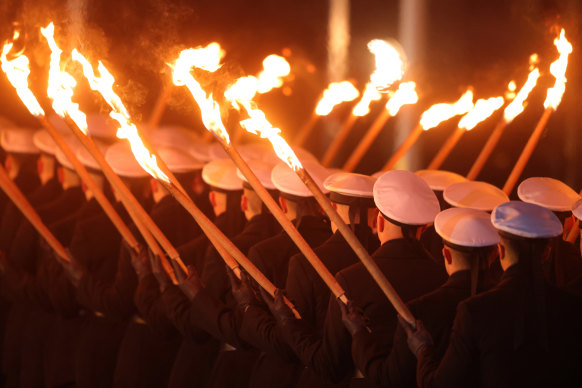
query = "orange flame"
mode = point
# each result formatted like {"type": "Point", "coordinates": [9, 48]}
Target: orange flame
{"type": "Point", "coordinates": [336, 93]}
{"type": "Point", "coordinates": [370, 94]}
{"type": "Point", "coordinates": [206, 58]}
{"type": "Point", "coordinates": [482, 110]}
{"type": "Point", "coordinates": [438, 113]}
{"type": "Point", "coordinates": [518, 104]}
{"type": "Point", "coordinates": [17, 71]}
{"type": "Point", "coordinates": [275, 68]}
{"type": "Point", "coordinates": [558, 70]}
{"type": "Point", "coordinates": [389, 64]}
{"type": "Point", "coordinates": [405, 95]}
{"type": "Point", "coordinates": [61, 84]}
{"type": "Point", "coordinates": [510, 93]}
{"type": "Point", "coordinates": [127, 129]}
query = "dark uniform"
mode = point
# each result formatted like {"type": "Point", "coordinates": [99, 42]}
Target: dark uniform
{"type": "Point", "coordinates": [495, 337]}
{"type": "Point", "coordinates": [401, 261]}
{"type": "Point", "coordinates": [564, 264]}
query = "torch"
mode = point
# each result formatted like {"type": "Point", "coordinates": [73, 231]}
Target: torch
{"type": "Point", "coordinates": [511, 112]}
{"type": "Point", "coordinates": [553, 99]}
{"type": "Point", "coordinates": [335, 94]}
{"type": "Point", "coordinates": [431, 118]}
{"type": "Point", "coordinates": [405, 94]}
{"type": "Point", "coordinates": [482, 109]}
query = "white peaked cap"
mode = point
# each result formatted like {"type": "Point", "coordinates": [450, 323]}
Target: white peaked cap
{"type": "Point", "coordinates": [216, 151]}
{"type": "Point", "coordinates": [200, 151]}
{"type": "Point", "coordinates": [475, 195]}
{"type": "Point", "coordinates": [221, 173]}
{"type": "Point", "coordinates": [466, 227]}
{"type": "Point", "coordinates": [577, 209]}
{"type": "Point", "coordinates": [44, 142]}
{"type": "Point", "coordinates": [59, 124]}
{"type": "Point", "coordinates": [350, 184]}
{"type": "Point", "coordinates": [263, 172]}
{"type": "Point", "coordinates": [173, 137]}
{"type": "Point", "coordinates": [526, 220]}
{"type": "Point", "coordinates": [122, 161]}
{"type": "Point", "coordinates": [439, 180]}
{"type": "Point", "coordinates": [258, 151]}
{"type": "Point", "coordinates": [102, 126]}
{"type": "Point", "coordinates": [178, 160]}
{"type": "Point", "coordinates": [547, 192]}
{"type": "Point", "coordinates": [303, 155]}
{"type": "Point", "coordinates": [287, 181]}
{"type": "Point", "coordinates": [378, 174]}
{"type": "Point", "coordinates": [74, 144]}
{"type": "Point", "coordinates": [404, 197]}
{"type": "Point", "coordinates": [19, 140]}
{"type": "Point", "coordinates": [87, 159]}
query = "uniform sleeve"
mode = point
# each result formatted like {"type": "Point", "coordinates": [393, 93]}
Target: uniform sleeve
{"type": "Point", "coordinates": [454, 368]}
{"type": "Point", "coordinates": [149, 303]}
{"type": "Point", "coordinates": [299, 289]}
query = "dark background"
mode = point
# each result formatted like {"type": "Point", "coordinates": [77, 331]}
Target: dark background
{"type": "Point", "coordinates": [484, 44]}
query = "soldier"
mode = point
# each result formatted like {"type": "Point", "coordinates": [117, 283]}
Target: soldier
{"type": "Point", "coordinates": [469, 238]}
{"type": "Point", "coordinates": [406, 203]}
{"type": "Point", "coordinates": [564, 264]}
{"type": "Point", "coordinates": [523, 332]}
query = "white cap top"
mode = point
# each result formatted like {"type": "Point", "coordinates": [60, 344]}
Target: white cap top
{"type": "Point", "coordinates": [173, 137]}
{"type": "Point", "coordinates": [44, 142]}
{"type": "Point", "coordinates": [404, 197]}
{"type": "Point", "coordinates": [526, 220]}
{"type": "Point", "coordinates": [577, 209]}
{"type": "Point", "coordinates": [74, 144]}
{"type": "Point", "coordinates": [350, 184]}
{"type": "Point", "coordinates": [303, 155]}
{"type": "Point", "coordinates": [439, 180]}
{"type": "Point", "coordinates": [258, 151]}
{"type": "Point", "coordinates": [122, 161]}
{"type": "Point", "coordinates": [87, 159]}
{"type": "Point", "coordinates": [221, 173]}
{"type": "Point", "coordinates": [466, 227]}
{"type": "Point", "coordinates": [200, 151]}
{"type": "Point", "coordinates": [178, 160]}
{"type": "Point", "coordinates": [547, 192]}
{"type": "Point", "coordinates": [216, 151]}
{"type": "Point", "coordinates": [378, 174]}
{"type": "Point", "coordinates": [59, 124]}
{"type": "Point", "coordinates": [101, 126]}
{"type": "Point", "coordinates": [287, 181]}
{"type": "Point", "coordinates": [475, 195]}
{"type": "Point", "coordinates": [263, 172]}
{"type": "Point", "coordinates": [19, 140]}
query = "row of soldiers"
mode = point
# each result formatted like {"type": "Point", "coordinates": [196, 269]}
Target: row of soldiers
{"type": "Point", "coordinates": [493, 284]}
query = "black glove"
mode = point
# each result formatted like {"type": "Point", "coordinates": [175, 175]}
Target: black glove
{"type": "Point", "coordinates": [190, 285]}
{"type": "Point", "coordinates": [280, 310]}
{"type": "Point", "coordinates": [353, 318]}
{"type": "Point", "coordinates": [242, 290]}
{"type": "Point", "coordinates": [159, 271]}
{"type": "Point", "coordinates": [139, 261]}
{"type": "Point", "coordinates": [419, 339]}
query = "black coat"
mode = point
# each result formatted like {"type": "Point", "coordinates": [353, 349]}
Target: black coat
{"type": "Point", "coordinates": [495, 340]}
{"type": "Point", "coordinates": [564, 264]}
{"type": "Point", "coordinates": [411, 271]}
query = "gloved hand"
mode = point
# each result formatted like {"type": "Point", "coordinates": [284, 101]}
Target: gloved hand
{"type": "Point", "coordinates": [242, 290]}
{"type": "Point", "coordinates": [159, 271]}
{"type": "Point", "coordinates": [139, 260]}
{"type": "Point", "coordinates": [190, 285]}
{"type": "Point", "coordinates": [280, 310]}
{"type": "Point", "coordinates": [419, 339]}
{"type": "Point", "coordinates": [353, 318]}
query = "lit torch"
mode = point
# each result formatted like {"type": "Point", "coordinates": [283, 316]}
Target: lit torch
{"type": "Point", "coordinates": [553, 99]}
{"type": "Point", "coordinates": [335, 94]}
{"type": "Point", "coordinates": [431, 118]}
{"type": "Point", "coordinates": [511, 112]}
{"type": "Point", "coordinates": [482, 110]}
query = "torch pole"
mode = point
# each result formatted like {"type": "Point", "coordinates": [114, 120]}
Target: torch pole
{"type": "Point", "coordinates": [146, 226]}
{"type": "Point", "coordinates": [446, 149]}
{"type": "Point", "coordinates": [286, 224]}
{"type": "Point", "coordinates": [403, 149]}
{"type": "Point", "coordinates": [306, 130]}
{"type": "Point", "coordinates": [573, 232]}
{"type": "Point", "coordinates": [355, 244]}
{"type": "Point", "coordinates": [486, 151]}
{"type": "Point", "coordinates": [527, 151]}
{"type": "Point", "coordinates": [371, 135]}
{"type": "Point", "coordinates": [223, 245]}
{"type": "Point", "coordinates": [16, 196]}
{"type": "Point", "coordinates": [339, 140]}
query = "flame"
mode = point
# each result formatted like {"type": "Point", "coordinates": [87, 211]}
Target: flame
{"type": "Point", "coordinates": [518, 104]}
{"type": "Point", "coordinates": [61, 84]}
{"type": "Point", "coordinates": [438, 113]}
{"type": "Point", "coordinates": [482, 110]}
{"type": "Point", "coordinates": [206, 58]}
{"type": "Point", "coordinates": [510, 93]}
{"type": "Point", "coordinates": [275, 68]}
{"type": "Point", "coordinates": [17, 71]}
{"type": "Point", "coordinates": [127, 130]}
{"type": "Point", "coordinates": [370, 94]}
{"type": "Point", "coordinates": [389, 64]}
{"type": "Point", "coordinates": [405, 95]}
{"type": "Point", "coordinates": [336, 93]}
{"type": "Point", "coordinates": [558, 70]}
